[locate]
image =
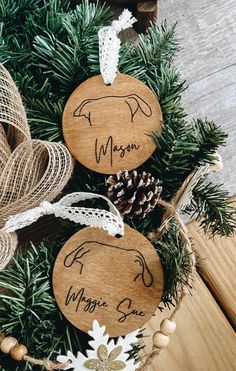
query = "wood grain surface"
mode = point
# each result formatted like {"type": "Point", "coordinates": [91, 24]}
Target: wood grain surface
{"type": "Point", "coordinates": [117, 281]}
{"type": "Point", "coordinates": [218, 267]}
{"type": "Point", "coordinates": [146, 13]}
{"type": "Point", "coordinates": [208, 62]}
{"type": "Point", "coordinates": [107, 128]}
{"type": "Point", "coordinates": [203, 341]}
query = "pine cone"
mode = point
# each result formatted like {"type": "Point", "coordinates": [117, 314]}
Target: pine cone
{"type": "Point", "coordinates": [134, 194]}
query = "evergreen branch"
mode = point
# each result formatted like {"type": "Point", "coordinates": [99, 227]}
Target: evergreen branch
{"type": "Point", "coordinates": [28, 308]}
{"type": "Point", "coordinates": [182, 148]}
{"type": "Point", "coordinates": [86, 19]}
{"type": "Point", "coordinates": [51, 49]}
{"type": "Point", "coordinates": [208, 138]}
{"type": "Point", "coordinates": [172, 159]}
{"type": "Point", "coordinates": [59, 62]}
{"type": "Point", "coordinates": [175, 263]}
{"type": "Point", "coordinates": [212, 208]}
{"type": "Point", "coordinates": [11, 9]}
{"type": "Point", "coordinates": [146, 58]}
{"type": "Point", "coordinates": [66, 60]}
{"type": "Point", "coordinates": [29, 311]}
{"type": "Point", "coordinates": [158, 45]}
{"type": "Point", "coordinates": [170, 91]}
{"type": "Point", "coordinates": [45, 118]}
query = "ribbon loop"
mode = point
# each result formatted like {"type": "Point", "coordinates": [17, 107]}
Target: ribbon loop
{"type": "Point", "coordinates": [109, 45]}
{"type": "Point", "coordinates": [30, 170]}
{"type": "Point", "coordinates": [47, 207]}
{"type": "Point", "coordinates": [111, 221]}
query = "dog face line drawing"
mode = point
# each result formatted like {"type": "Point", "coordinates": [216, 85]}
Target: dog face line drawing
{"type": "Point", "coordinates": [133, 101]}
{"type": "Point", "coordinates": [79, 252]}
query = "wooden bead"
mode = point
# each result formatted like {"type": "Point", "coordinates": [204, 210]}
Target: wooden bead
{"type": "Point", "coordinates": [160, 340]}
{"type": "Point", "coordinates": [18, 352]}
{"type": "Point", "coordinates": [168, 327]}
{"type": "Point", "coordinates": [7, 344]}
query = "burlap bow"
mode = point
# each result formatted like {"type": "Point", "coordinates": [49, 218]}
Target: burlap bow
{"type": "Point", "coordinates": [31, 171]}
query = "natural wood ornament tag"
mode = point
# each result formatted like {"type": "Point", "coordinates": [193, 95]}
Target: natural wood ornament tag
{"type": "Point", "coordinates": [107, 128]}
{"type": "Point", "coordinates": [117, 281]}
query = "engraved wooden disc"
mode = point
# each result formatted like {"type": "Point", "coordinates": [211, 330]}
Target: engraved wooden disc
{"type": "Point", "coordinates": [107, 128]}
{"type": "Point", "coordinates": [117, 281]}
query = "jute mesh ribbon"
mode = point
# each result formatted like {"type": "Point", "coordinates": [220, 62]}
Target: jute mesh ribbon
{"type": "Point", "coordinates": [31, 171]}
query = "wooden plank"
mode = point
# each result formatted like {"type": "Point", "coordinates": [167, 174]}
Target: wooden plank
{"type": "Point", "coordinates": [207, 62]}
{"type": "Point", "coordinates": [218, 267]}
{"type": "Point", "coordinates": [206, 28]}
{"type": "Point", "coordinates": [214, 97]}
{"type": "Point", "coordinates": [203, 341]}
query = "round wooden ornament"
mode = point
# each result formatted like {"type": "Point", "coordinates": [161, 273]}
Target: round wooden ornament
{"type": "Point", "coordinates": [107, 127]}
{"type": "Point", "coordinates": [117, 281]}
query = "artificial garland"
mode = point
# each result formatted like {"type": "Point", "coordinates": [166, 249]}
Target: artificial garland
{"type": "Point", "coordinates": [47, 66]}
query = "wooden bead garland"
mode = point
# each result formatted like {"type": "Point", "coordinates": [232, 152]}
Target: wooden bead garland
{"type": "Point", "coordinates": [167, 326]}
{"type": "Point", "coordinates": [7, 344]}
{"type": "Point", "coordinates": [18, 352]}
{"type": "Point", "coordinates": [160, 340]}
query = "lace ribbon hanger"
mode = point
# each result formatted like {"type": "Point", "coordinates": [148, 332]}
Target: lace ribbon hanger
{"type": "Point", "coordinates": [109, 45]}
{"type": "Point", "coordinates": [111, 221]}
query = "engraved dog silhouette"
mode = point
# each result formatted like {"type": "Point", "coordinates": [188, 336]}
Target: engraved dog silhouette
{"type": "Point", "coordinates": [78, 254]}
{"type": "Point", "coordinates": [133, 101]}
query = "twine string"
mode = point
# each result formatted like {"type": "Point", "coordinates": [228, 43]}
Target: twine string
{"type": "Point", "coordinates": [46, 363]}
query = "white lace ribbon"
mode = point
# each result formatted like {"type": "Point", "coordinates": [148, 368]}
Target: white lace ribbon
{"type": "Point", "coordinates": [109, 45]}
{"type": "Point", "coordinates": [111, 221]}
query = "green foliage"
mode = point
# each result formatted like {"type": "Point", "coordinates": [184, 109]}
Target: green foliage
{"type": "Point", "coordinates": [56, 48]}
{"type": "Point", "coordinates": [208, 137]}
{"type": "Point", "coordinates": [175, 262]}
{"type": "Point", "coordinates": [50, 48]}
{"type": "Point", "coordinates": [212, 208]}
{"type": "Point", "coordinates": [150, 60]}
{"type": "Point", "coordinates": [28, 309]}
{"type": "Point", "coordinates": [182, 148]}
{"type": "Point", "coordinates": [49, 55]}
